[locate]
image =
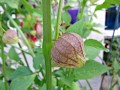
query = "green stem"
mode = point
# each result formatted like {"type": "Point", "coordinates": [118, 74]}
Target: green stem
{"type": "Point", "coordinates": [58, 19]}
{"type": "Point", "coordinates": [4, 66]}
{"type": "Point", "coordinates": [47, 40]}
{"type": "Point", "coordinates": [24, 56]}
{"type": "Point", "coordinates": [21, 50]}
{"type": "Point", "coordinates": [83, 4]}
{"type": "Point", "coordinates": [22, 35]}
{"type": "Point", "coordinates": [89, 84]}
{"type": "Point", "coordinates": [2, 28]}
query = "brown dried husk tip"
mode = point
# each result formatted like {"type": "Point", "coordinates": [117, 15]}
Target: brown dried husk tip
{"type": "Point", "coordinates": [68, 51]}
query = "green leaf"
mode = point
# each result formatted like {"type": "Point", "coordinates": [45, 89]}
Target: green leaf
{"type": "Point", "coordinates": [58, 73]}
{"type": "Point", "coordinates": [86, 32]}
{"type": "Point", "coordinates": [94, 43]}
{"type": "Point", "coordinates": [54, 82]}
{"type": "Point", "coordinates": [75, 86]}
{"type": "Point", "coordinates": [22, 82]}
{"type": "Point", "coordinates": [91, 69]}
{"type": "Point", "coordinates": [9, 72]}
{"type": "Point", "coordinates": [98, 25]}
{"type": "Point", "coordinates": [13, 54]}
{"type": "Point", "coordinates": [116, 66]}
{"type": "Point", "coordinates": [2, 85]}
{"type": "Point", "coordinates": [1, 32]}
{"type": "Point", "coordinates": [67, 7]}
{"type": "Point", "coordinates": [88, 50]}
{"type": "Point", "coordinates": [119, 81]}
{"type": "Point", "coordinates": [21, 71]}
{"type": "Point", "coordinates": [12, 3]}
{"type": "Point", "coordinates": [37, 12]}
{"type": "Point", "coordinates": [2, 1]}
{"type": "Point", "coordinates": [39, 59]}
{"type": "Point", "coordinates": [83, 88]}
{"type": "Point", "coordinates": [65, 81]}
{"type": "Point", "coordinates": [93, 46]}
{"type": "Point", "coordinates": [66, 18]}
{"type": "Point", "coordinates": [107, 4]}
{"type": "Point", "coordinates": [77, 28]}
{"type": "Point", "coordinates": [43, 87]}
{"type": "Point", "coordinates": [27, 5]}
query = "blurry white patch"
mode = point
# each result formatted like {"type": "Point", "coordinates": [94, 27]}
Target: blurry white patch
{"type": "Point", "coordinates": [1, 10]}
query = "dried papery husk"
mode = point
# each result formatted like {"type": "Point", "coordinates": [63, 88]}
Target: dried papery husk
{"type": "Point", "coordinates": [68, 51]}
{"type": "Point", "coordinates": [10, 37]}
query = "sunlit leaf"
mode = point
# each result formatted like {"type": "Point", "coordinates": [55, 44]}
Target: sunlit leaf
{"type": "Point", "coordinates": [13, 54]}
{"type": "Point", "coordinates": [43, 87]}
{"type": "Point", "coordinates": [67, 7]}
{"type": "Point", "coordinates": [116, 66]}
{"type": "Point", "coordinates": [39, 59]}
{"type": "Point", "coordinates": [77, 28]}
{"type": "Point", "coordinates": [12, 3]}
{"type": "Point", "coordinates": [9, 72]}
{"type": "Point", "coordinates": [21, 71]}
{"type": "Point", "coordinates": [22, 82]}
{"type": "Point", "coordinates": [119, 81]}
{"type": "Point", "coordinates": [90, 70]}
{"type": "Point", "coordinates": [93, 46]}
{"type": "Point", "coordinates": [75, 86]}
{"type": "Point", "coordinates": [2, 1]}
{"type": "Point", "coordinates": [66, 18]}
{"type": "Point", "coordinates": [2, 85]}
{"type": "Point", "coordinates": [107, 4]}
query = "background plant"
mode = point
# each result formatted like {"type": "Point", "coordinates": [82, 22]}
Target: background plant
{"type": "Point", "coordinates": [113, 63]}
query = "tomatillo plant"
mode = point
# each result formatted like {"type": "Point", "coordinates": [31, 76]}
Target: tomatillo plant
{"type": "Point", "coordinates": [46, 51]}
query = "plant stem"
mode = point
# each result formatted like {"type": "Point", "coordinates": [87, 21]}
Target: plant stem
{"type": "Point", "coordinates": [58, 19]}
{"type": "Point", "coordinates": [22, 35]}
{"type": "Point", "coordinates": [89, 84]}
{"type": "Point", "coordinates": [83, 4]}
{"type": "Point", "coordinates": [47, 40]}
{"type": "Point", "coordinates": [24, 56]}
{"type": "Point", "coordinates": [21, 50]}
{"type": "Point", "coordinates": [4, 66]}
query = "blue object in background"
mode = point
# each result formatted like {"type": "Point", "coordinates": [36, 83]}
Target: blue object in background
{"type": "Point", "coordinates": [73, 13]}
{"type": "Point", "coordinates": [110, 17]}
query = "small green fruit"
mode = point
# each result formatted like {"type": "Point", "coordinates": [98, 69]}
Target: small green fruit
{"type": "Point", "coordinates": [68, 51]}
{"type": "Point", "coordinates": [10, 37]}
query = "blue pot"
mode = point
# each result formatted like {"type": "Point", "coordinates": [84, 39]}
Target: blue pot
{"type": "Point", "coordinates": [73, 13]}
{"type": "Point", "coordinates": [110, 17]}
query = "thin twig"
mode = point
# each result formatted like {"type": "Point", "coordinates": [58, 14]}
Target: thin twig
{"type": "Point", "coordinates": [58, 19]}
{"type": "Point", "coordinates": [89, 84]}
{"type": "Point", "coordinates": [24, 56]}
